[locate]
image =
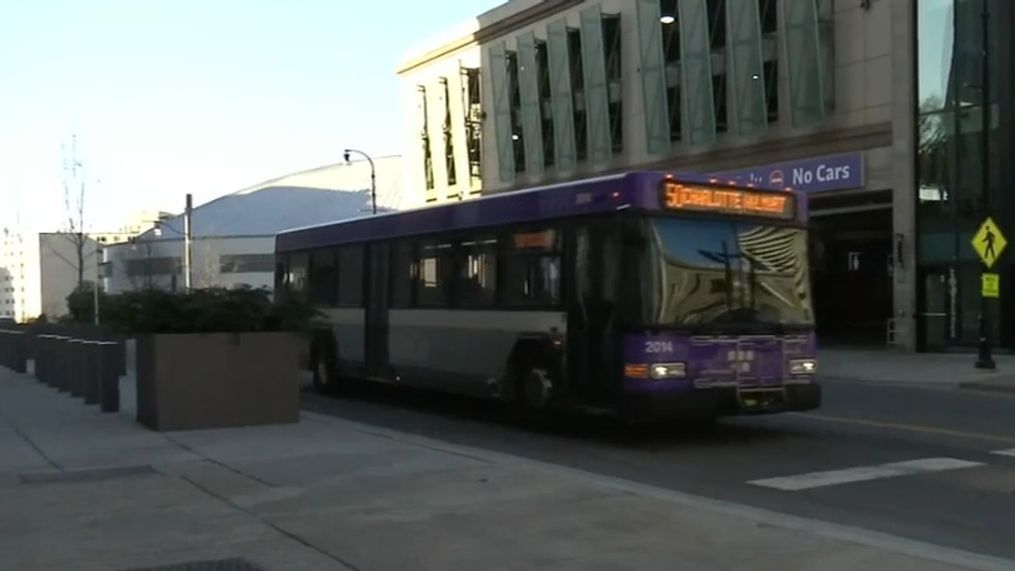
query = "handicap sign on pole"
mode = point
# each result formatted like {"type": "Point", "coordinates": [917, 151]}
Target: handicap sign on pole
{"type": "Point", "coordinates": [989, 242]}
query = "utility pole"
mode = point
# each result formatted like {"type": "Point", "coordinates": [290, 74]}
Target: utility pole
{"type": "Point", "coordinates": [99, 254]}
{"type": "Point", "coordinates": [188, 229]}
{"type": "Point", "coordinates": [985, 360]}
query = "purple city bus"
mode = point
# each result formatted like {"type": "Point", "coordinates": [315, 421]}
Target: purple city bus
{"type": "Point", "coordinates": [647, 295]}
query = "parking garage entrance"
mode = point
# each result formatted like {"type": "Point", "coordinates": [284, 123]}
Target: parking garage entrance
{"type": "Point", "coordinates": [851, 267]}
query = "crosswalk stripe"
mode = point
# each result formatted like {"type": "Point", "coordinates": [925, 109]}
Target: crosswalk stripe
{"type": "Point", "coordinates": [863, 473]}
{"type": "Point", "coordinates": [1009, 452]}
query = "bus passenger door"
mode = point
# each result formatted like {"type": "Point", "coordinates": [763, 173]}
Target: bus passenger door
{"type": "Point", "coordinates": [376, 303]}
{"type": "Point", "coordinates": [590, 314]}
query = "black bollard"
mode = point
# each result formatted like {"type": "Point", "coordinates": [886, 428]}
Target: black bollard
{"type": "Point", "coordinates": [109, 377]}
{"type": "Point", "coordinates": [63, 363]}
{"type": "Point", "coordinates": [77, 376]}
{"type": "Point", "coordinates": [4, 351]}
{"type": "Point", "coordinates": [47, 360]}
{"type": "Point", "coordinates": [40, 358]}
{"type": "Point", "coordinates": [121, 355]}
{"type": "Point", "coordinates": [91, 372]}
{"type": "Point", "coordinates": [19, 349]}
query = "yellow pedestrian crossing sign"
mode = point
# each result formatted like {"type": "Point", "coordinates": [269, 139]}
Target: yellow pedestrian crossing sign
{"type": "Point", "coordinates": [989, 242]}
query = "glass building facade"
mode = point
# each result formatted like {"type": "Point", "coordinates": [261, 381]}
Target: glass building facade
{"type": "Point", "coordinates": [964, 134]}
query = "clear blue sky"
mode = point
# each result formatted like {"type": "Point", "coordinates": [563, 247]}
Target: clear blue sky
{"type": "Point", "coordinates": [201, 96]}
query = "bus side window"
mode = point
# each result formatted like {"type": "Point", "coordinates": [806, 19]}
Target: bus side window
{"type": "Point", "coordinates": [322, 278]}
{"type": "Point", "coordinates": [299, 265]}
{"type": "Point", "coordinates": [477, 272]}
{"type": "Point", "coordinates": [403, 274]}
{"type": "Point", "coordinates": [531, 271]}
{"type": "Point", "coordinates": [433, 284]}
{"type": "Point", "coordinates": [350, 276]}
{"type": "Point", "coordinates": [281, 273]}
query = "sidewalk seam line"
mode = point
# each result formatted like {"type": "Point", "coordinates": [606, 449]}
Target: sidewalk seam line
{"type": "Point", "coordinates": [31, 443]}
{"type": "Point", "coordinates": [218, 463]}
{"type": "Point", "coordinates": [273, 526]}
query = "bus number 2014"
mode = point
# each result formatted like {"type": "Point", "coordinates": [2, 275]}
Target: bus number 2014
{"type": "Point", "coordinates": [656, 347]}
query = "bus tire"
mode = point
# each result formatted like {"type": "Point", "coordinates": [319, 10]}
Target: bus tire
{"type": "Point", "coordinates": [325, 364]}
{"type": "Point", "coordinates": [534, 395]}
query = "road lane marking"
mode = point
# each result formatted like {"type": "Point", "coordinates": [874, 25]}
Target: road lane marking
{"type": "Point", "coordinates": [905, 427]}
{"type": "Point", "coordinates": [1009, 452]}
{"type": "Point", "coordinates": [842, 532]}
{"type": "Point", "coordinates": [863, 473]}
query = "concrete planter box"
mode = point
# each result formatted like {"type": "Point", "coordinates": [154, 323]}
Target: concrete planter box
{"type": "Point", "coordinates": [195, 381]}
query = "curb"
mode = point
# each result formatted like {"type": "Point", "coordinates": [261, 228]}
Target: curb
{"type": "Point", "coordinates": [989, 386]}
{"type": "Point", "coordinates": [760, 516]}
{"type": "Point", "coordinates": [895, 383]}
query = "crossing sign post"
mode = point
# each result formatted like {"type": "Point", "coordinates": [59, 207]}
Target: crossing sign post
{"type": "Point", "coordinates": [988, 242]}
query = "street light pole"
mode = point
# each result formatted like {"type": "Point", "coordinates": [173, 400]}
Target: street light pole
{"type": "Point", "coordinates": [373, 176]}
{"type": "Point", "coordinates": [99, 253]}
{"type": "Point", "coordinates": [187, 243]}
{"type": "Point", "coordinates": [985, 359]}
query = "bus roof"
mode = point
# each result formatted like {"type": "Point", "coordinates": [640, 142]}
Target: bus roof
{"type": "Point", "coordinates": [635, 190]}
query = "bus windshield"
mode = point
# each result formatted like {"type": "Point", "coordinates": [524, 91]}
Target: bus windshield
{"type": "Point", "coordinates": [731, 275]}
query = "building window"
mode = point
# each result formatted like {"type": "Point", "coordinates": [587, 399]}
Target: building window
{"type": "Point", "coordinates": [614, 79]}
{"type": "Point", "coordinates": [717, 39]}
{"type": "Point", "coordinates": [449, 142]}
{"type": "Point", "coordinates": [246, 263]}
{"type": "Point", "coordinates": [473, 125]}
{"type": "Point", "coordinates": [826, 46]}
{"type": "Point", "coordinates": [428, 178]}
{"type": "Point", "coordinates": [671, 57]}
{"type": "Point", "coordinates": [163, 266]}
{"type": "Point", "coordinates": [953, 189]}
{"type": "Point", "coordinates": [581, 135]}
{"type": "Point", "coordinates": [770, 53]}
{"type": "Point", "coordinates": [545, 102]}
{"type": "Point", "coordinates": [515, 96]}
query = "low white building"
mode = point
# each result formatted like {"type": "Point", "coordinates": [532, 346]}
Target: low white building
{"type": "Point", "coordinates": [233, 237]}
{"type": "Point", "coordinates": [19, 276]}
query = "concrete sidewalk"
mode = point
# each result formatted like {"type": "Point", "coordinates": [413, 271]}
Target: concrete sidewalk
{"type": "Point", "coordinates": [937, 369]}
{"type": "Point", "coordinates": [86, 491]}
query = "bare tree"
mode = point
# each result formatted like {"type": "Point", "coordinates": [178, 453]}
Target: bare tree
{"type": "Point", "coordinates": [74, 193]}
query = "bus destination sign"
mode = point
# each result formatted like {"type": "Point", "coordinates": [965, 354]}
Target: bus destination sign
{"type": "Point", "coordinates": [771, 204]}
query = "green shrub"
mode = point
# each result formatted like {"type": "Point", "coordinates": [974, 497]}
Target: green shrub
{"type": "Point", "coordinates": [212, 310]}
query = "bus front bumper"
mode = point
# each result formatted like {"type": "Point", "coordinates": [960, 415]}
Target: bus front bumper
{"type": "Point", "coordinates": [713, 402]}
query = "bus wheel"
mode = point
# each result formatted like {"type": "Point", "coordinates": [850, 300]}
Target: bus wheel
{"type": "Point", "coordinates": [534, 395]}
{"type": "Point", "coordinates": [325, 371]}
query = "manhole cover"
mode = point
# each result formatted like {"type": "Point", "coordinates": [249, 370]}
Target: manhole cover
{"type": "Point", "coordinates": [235, 564]}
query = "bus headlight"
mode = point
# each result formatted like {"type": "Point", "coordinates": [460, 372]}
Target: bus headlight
{"type": "Point", "coordinates": [660, 371]}
{"type": "Point", "coordinates": [803, 366]}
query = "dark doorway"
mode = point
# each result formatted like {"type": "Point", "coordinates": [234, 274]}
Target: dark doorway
{"type": "Point", "coordinates": [852, 275]}
{"type": "Point", "coordinates": [936, 320]}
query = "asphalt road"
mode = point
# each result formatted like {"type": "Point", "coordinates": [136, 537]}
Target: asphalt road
{"type": "Point", "coordinates": [955, 489]}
